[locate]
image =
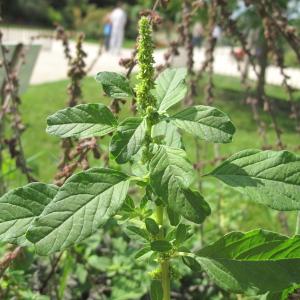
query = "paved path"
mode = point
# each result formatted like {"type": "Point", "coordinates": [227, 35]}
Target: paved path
{"type": "Point", "coordinates": [51, 64]}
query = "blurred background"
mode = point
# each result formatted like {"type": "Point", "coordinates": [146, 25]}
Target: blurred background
{"type": "Point", "coordinates": [76, 15]}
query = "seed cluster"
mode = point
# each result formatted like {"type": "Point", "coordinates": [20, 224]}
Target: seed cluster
{"type": "Point", "coordinates": [146, 71]}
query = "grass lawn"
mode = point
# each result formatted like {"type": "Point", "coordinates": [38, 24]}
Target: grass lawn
{"type": "Point", "coordinates": [42, 100]}
{"type": "Point", "coordinates": [275, 92]}
{"type": "Point", "coordinates": [128, 43]}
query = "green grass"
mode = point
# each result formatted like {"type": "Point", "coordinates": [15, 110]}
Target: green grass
{"type": "Point", "coordinates": [42, 100]}
{"type": "Point", "coordinates": [231, 83]}
{"type": "Point", "coordinates": [128, 43]}
{"type": "Point", "coordinates": [26, 26]}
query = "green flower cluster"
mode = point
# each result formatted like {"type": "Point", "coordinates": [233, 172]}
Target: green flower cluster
{"type": "Point", "coordinates": [146, 71]}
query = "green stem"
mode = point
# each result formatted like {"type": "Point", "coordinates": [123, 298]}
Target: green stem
{"type": "Point", "coordinates": [165, 279]}
{"type": "Point", "coordinates": [165, 263]}
{"type": "Point", "coordinates": [160, 215]}
{"type": "Point", "coordinates": [298, 224]}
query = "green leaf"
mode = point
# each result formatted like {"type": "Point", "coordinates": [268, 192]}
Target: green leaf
{"type": "Point", "coordinates": [169, 166]}
{"type": "Point", "coordinates": [191, 205]}
{"type": "Point", "coordinates": [81, 272]}
{"type": "Point", "coordinates": [115, 85]}
{"type": "Point", "coordinates": [170, 176]}
{"type": "Point", "coordinates": [151, 226]}
{"type": "Point", "coordinates": [161, 246]}
{"type": "Point", "coordinates": [67, 267]}
{"type": "Point", "coordinates": [84, 203]}
{"type": "Point", "coordinates": [181, 233]}
{"type": "Point", "coordinates": [139, 231]}
{"type": "Point", "coordinates": [128, 139]}
{"type": "Point", "coordinates": [252, 263]}
{"type": "Point", "coordinates": [170, 88]}
{"type": "Point", "coordinates": [170, 234]}
{"type": "Point", "coordinates": [183, 248]}
{"type": "Point", "coordinates": [275, 296]}
{"type": "Point", "coordinates": [138, 168]}
{"type": "Point", "coordinates": [19, 207]}
{"type": "Point", "coordinates": [192, 263]}
{"type": "Point", "coordinates": [287, 294]}
{"type": "Point", "coordinates": [167, 133]}
{"type": "Point", "coordinates": [81, 121]}
{"type": "Point", "coordinates": [100, 263]}
{"type": "Point", "coordinates": [206, 123]}
{"type": "Point", "coordinates": [142, 252]}
{"type": "Point", "coordinates": [174, 218]}
{"type": "Point", "coordinates": [128, 205]}
{"type": "Point", "coordinates": [156, 290]}
{"type": "Point", "coordinates": [268, 177]}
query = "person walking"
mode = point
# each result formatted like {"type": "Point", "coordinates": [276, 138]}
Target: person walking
{"type": "Point", "coordinates": [217, 33]}
{"type": "Point", "coordinates": [118, 20]}
{"type": "Point", "coordinates": [197, 34]}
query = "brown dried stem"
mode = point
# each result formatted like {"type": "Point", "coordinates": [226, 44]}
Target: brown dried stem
{"type": "Point", "coordinates": [10, 105]}
{"type": "Point", "coordinates": [189, 48]}
{"type": "Point", "coordinates": [8, 259]}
